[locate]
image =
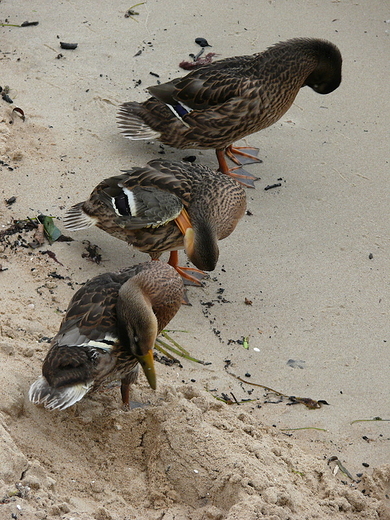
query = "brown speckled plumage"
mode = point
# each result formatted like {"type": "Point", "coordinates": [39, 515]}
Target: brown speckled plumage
{"type": "Point", "coordinates": [109, 326]}
{"type": "Point", "coordinates": [234, 97]}
{"type": "Point", "coordinates": [213, 201]}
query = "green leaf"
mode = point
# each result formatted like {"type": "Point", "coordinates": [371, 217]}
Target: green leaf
{"type": "Point", "coordinates": [51, 230]}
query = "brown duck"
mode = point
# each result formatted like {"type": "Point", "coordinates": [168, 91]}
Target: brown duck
{"type": "Point", "coordinates": [166, 206]}
{"type": "Point", "coordinates": [110, 327]}
{"type": "Point", "coordinates": [231, 98]}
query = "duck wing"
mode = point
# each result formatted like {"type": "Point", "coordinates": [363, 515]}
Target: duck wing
{"type": "Point", "coordinates": [126, 204]}
{"type": "Point", "coordinates": [210, 85]}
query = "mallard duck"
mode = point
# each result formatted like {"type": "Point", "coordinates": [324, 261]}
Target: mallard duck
{"type": "Point", "coordinates": [109, 328]}
{"type": "Point", "coordinates": [166, 206]}
{"type": "Point", "coordinates": [231, 98]}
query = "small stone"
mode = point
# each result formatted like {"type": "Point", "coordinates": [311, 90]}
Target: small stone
{"type": "Point", "coordinates": [64, 507]}
{"type": "Point", "coordinates": [6, 348]}
{"type": "Point", "coordinates": [102, 514]}
{"type": "Point", "coordinates": [97, 486]}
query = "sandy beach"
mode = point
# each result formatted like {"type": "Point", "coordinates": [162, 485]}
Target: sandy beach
{"type": "Point", "coordinates": [304, 278]}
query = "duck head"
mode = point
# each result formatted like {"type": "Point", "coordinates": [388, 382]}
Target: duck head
{"type": "Point", "coordinates": [326, 77]}
{"type": "Point", "coordinates": [201, 245]}
{"type": "Point", "coordinates": [138, 326]}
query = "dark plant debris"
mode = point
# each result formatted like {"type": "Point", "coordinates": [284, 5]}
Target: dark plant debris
{"type": "Point", "coordinates": [296, 363]}
{"type": "Point", "coordinates": [93, 252]}
{"type": "Point", "coordinates": [24, 24]}
{"type": "Point", "coordinates": [29, 24]}
{"type": "Point", "coordinates": [272, 186]}
{"type": "Point", "coordinates": [52, 255]}
{"type": "Point", "coordinates": [4, 91]}
{"type": "Point", "coordinates": [309, 403]}
{"type": "Point", "coordinates": [131, 12]}
{"type": "Point", "coordinates": [16, 227]}
{"type": "Point", "coordinates": [167, 361]}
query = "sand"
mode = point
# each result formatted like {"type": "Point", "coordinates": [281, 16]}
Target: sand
{"type": "Point", "coordinates": [304, 277]}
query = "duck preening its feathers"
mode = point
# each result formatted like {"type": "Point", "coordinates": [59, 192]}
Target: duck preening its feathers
{"type": "Point", "coordinates": [110, 327]}
{"type": "Point", "coordinates": [219, 103]}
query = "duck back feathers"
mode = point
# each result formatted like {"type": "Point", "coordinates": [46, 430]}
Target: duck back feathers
{"type": "Point", "coordinates": [231, 98]}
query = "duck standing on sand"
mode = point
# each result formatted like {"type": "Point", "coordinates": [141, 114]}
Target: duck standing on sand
{"type": "Point", "coordinates": [166, 206]}
{"type": "Point", "coordinates": [110, 327]}
{"type": "Point", "coordinates": [231, 98]}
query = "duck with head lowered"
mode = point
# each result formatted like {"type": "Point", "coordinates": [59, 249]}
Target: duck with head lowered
{"type": "Point", "coordinates": [227, 100]}
{"type": "Point", "coordinates": [109, 329]}
{"type": "Point", "coordinates": [166, 206]}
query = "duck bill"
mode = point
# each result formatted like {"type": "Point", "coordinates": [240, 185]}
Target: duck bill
{"type": "Point", "coordinates": [189, 242]}
{"type": "Point", "coordinates": [147, 363]}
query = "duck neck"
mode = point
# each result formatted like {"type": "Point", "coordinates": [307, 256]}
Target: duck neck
{"type": "Point", "coordinates": [135, 316]}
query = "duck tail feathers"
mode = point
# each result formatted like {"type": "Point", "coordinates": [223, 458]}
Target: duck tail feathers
{"type": "Point", "coordinates": [132, 125]}
{"type": "Point", "coordinates": [76, 219]}
{"type": "Point", "coordinates": [57, 398]}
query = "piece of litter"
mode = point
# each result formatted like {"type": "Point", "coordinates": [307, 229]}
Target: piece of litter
{"type": "Point", "coordinates": [256, 349]}
{"type": "Point", "coordinates": [196, 471]}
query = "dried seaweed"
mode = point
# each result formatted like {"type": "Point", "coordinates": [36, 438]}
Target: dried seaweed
{"type": "Point", "coordinates": [308, 402]}
{"type": "Point", "coordinates": [374, 419]}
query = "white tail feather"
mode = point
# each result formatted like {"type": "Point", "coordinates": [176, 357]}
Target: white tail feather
{"type": "Point", "coordinates": [76, 219]}
{"type": "Point", "coordinates": [133, 127]}
{"type": "Point", "coordinates": [57, 398]}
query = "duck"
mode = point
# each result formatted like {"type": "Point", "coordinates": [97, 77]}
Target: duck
{"type": "Point", "coordinates": [229, 99]}
{"type": "Point", "coordinates": [166, 206]}
{"type": "Point", "coordinates": [109, 329]}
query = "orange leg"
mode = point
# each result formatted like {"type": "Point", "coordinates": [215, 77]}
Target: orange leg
{"type": "Point", "coordinates": [239, 174]}
{"type": "Point", "coordinates": [125, 393]}
{"type": "Point", "coordinates": [245, 157]}
{"type": "Point", "coordinates": [191, 275]}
